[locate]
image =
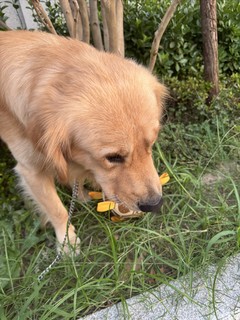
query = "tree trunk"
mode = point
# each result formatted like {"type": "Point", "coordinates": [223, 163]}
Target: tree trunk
{"type": "Point", "coordinates": [119, 15]}
{"type": "Point", "coordinates": [76, 17]}
{"type": "Point", "coordinates": [111, 19]}
{"type": "Point", "coordinates": [67, 12]}
{"type": "Point", "coordinates": [95, 27]}
{"type": "Point", "coordinates": [105, 27]}
{"type": "Point", "coordinates": [85, 20]}
{"type": "Point", "coordinates": [208, 9]}
{"type": "Point", "coordinates": [43, 16]}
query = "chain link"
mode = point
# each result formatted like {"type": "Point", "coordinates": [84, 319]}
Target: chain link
{"type": "Point", "coordinates": [70, 213]}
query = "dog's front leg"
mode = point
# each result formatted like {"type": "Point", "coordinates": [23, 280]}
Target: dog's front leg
{"type": "Point", "coordinates": [41, 188]}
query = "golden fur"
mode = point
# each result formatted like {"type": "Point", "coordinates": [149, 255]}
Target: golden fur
{"type": "Point", "coordinates": [68, 111]}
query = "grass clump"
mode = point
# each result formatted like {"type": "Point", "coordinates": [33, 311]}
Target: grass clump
{"type": "Point", "coordinates": [197, 226]}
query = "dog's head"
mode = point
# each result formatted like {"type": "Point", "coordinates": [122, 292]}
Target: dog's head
{"type": "Point", "coordinates": [116, 139]}
{"type": "Point", "coordinates": [107, 123]}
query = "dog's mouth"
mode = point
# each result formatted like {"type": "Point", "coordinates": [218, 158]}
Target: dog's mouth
{"type": "Point", "coordinates": [121, 209]}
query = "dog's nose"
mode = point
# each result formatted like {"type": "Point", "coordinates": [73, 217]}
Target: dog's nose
{"type": "Point", "coordinates": [151, 206]}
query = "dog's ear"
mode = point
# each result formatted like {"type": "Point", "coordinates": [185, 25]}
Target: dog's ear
{"type": "Point", "coordinates": [162, 94]}
{"type": "Point", "coordinates": [52, 140]}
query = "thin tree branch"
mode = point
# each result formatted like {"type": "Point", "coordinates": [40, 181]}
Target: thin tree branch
{"type": "Point", "coordinates": [110, 11]}
{"type": "Point", "coordinates": [120, 31]}
{"type": "Point", "coordinates": [85, 20]}
{"type": "Point", "coordinates": [67, 12]}
{"type": "Point", "coordinates": [43, 16]}
{"type": "Point", "coordinates": [76, 17]}
{"type": "Point", "coordinates": [160, 31]}
{"type": "Point", "coordinates": [79, 30]}
{"type": "Point", "coordinates": [105, 27]}
{"type": "Point", "coordinates": [4, 26]}
{"type": "Point", "coordinates": [94, 24]}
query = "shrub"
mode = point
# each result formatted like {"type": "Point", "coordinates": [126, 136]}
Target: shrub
{"type": "Point", "coordinates": [228, 35]}
{"type": "Point", "coordinates": [180, 52]}
{"type": "Point", "coordinates": [227, 104]}
{"type": "Point", "coordinates": [57, 18]}
{"type": "Point", "coordinates": [188, 100]}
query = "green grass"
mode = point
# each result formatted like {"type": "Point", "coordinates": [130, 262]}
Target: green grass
{"type": "Point", "coordinates": [198, 226]}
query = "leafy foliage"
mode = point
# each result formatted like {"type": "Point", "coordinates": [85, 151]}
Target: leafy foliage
{"type": "Point", "coordinates": [188, 100]}
{"type": "Point", "coordinates": [229, 35]}
{"type": "Point", "coordinates": [180, 52]}
{"type": "Point", "coordinates": [180, 41]}
{"type": "Point", "coordinates": [7, 180]}
{"type": "Point", "coordinates": [2, 15]}
{"type": "Point", "coordinates": [57, 18]}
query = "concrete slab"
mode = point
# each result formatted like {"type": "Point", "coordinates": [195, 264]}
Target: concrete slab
{"type": "Point", "coordinates": [26, 16]}
{"type": "Point", "coordinates": [13, 20]}
{"type": "Point", "coordinates": [213, 294]}
{"type": "Point", "coordinates": [20, 18]}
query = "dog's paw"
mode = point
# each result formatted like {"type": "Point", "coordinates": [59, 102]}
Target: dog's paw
{"type": "Point", "coordinates": [70, 243]}
{"type": "Point", "coordinates": [70, 247]}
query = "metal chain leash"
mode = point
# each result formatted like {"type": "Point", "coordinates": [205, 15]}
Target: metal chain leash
{"type": "Point", "coordinates": [70, 213]}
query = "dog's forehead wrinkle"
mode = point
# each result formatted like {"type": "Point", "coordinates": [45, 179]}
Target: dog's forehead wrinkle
{"type": "Point", "coordinates": [123, 146]}
{"type": "Point", "coordinates": [130, 99]}
{"type": "Point", "coordinates": [102, 144]}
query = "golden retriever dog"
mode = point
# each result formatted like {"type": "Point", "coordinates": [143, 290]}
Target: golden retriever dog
{"type": "Point", "coordinates": [69, 112]}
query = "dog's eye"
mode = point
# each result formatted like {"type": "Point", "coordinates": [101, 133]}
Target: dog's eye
{"type": "Point", "coordinates": [115, 158]}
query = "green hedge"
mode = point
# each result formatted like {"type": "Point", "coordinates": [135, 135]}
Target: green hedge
{"type": "Point", "coordinates": [180, 52]}
{"type": "Point", "coordinates": [188, 100]}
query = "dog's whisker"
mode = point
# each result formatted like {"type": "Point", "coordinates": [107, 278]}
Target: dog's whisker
{"type": "Point", "coordinates": [133, 207]}
{"type": "Point", "coordinates": [114, 198]}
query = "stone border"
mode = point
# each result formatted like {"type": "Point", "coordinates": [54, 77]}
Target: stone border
{"type": "Point", "coordinates": [213, 294]}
